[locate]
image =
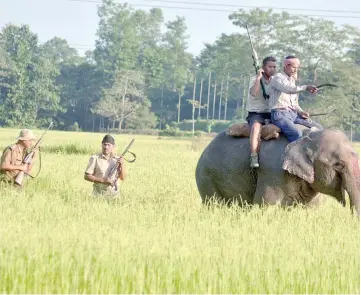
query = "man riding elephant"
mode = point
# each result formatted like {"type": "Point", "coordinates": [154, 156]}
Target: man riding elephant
{"type": "Point", "coordinates": [283, 101]}
{"type": "Point", "coordinates": [257, 106]}
{"type": "Point", "coordinates": [321, 161]}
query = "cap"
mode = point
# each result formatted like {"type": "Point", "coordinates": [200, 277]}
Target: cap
{"type": "Point", "coordinates": [108, 139]}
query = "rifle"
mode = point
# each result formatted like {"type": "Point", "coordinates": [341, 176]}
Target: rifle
{"type": "Point", "coordinates": [321, 114]}
{"type": "Point", "coordinates": [256, 64]}
{"type": "Point", "coordinates": [318, 114]}
{"type": "Point", "coordinates": [115, 168]}
{"type": "Point", "coordinates": [327, 84]}
{"type": "Point", "coordinates": [28, 159]}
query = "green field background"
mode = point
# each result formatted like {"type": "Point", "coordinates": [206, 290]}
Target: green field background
{"type": "Point", "coordinates": [55, 238]}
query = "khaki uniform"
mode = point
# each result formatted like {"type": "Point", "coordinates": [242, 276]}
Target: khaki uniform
{"type": "Point", "coordinates": [100, 166]}
{"type": "Point", "coordinates": [14, 155]}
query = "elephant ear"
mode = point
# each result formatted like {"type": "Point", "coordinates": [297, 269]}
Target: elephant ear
{"type": "Point", "coordinates": [299, 158]}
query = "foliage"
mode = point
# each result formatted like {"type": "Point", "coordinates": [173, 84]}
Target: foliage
{"type": "Point", "coordinates": [28, 87]}
{"type": "Point", "coordinates": [140, 76]}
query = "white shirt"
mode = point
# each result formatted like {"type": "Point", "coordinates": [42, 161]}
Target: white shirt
{"type": "Point", "coordinates": [257, 103]}
{"type": "Point", "coordinates": [283, 92]}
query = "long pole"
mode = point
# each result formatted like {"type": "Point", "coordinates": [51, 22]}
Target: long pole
{"type": "Point", "coordinates": [226, 98]}
{"type": "Point", "coordinates": [209, 91]}
{"type": "Point", "coordinates": [193, 103]}
{"type": "Point", "coordinates": [200, 99]}
{"type": "Point", "coordinates": [214, 97]}
{"type": "Point", "coordinates": [220, 101]}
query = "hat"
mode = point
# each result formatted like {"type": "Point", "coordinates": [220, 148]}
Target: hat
{"type": "Point", "coordinates": [26, 134]}
{"type": "Point", "coordinates": [108, 139]}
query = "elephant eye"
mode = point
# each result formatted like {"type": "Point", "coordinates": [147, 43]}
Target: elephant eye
{"type": "Point", "coordinates": [339, 165]}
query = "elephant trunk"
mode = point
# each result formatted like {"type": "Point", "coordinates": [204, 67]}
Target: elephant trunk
{"type": "Point", "coordinates": [351, 183]}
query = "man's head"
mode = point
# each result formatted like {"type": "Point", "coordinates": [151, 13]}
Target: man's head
{"type": "Point", "coordinates": [269, 66]}
{"type": "Point", "coordinates": [108, 144]}
{"type": "Point", "coordinates": [291, 65]}
{"type": "Point", "coordinates": [26, 138]}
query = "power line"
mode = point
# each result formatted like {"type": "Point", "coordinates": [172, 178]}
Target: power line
{"type": "Point", "coordinates": [212, 9]}
{"type": "Point", "coordinates": [246, 6]}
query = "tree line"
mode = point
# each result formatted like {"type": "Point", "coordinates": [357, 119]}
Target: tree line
{"type": "Point", "coordinates": [140, 77]}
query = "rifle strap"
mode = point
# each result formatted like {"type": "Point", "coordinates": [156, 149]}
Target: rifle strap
{"type": "Point", "coordinates": [134, 157]}
{"type": "Point", "coordinates": [39, 166]}
{"type": "Point", "coordinates": [265, 95]}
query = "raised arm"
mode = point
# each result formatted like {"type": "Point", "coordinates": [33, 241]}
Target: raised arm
{"type": "Point", "coordinates": [283, 85]}
{"type": "Point", "coordinates": [255, 84]}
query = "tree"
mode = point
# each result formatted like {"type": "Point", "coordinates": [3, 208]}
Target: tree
{"type": "Point", "coordinates": [228, 58]}
{"type": "Point", "coordinates": [60, 53]}
{"type": "Point", "coordinates": [262, 24]}
{"type": "Point", "coordinates": [124, 99]}
{"type": "Point", "coordinates": [102, 90]}
{"type": "Point", "coordinates": [80, 89]}
{"type": "Point", "coordinates": [117, 46]}
{"type": "Point", "coordinates": [178, 60]}
{"type": "Point", "coordinates": [7, 72]}
{"type": "Point", "coordinates": [31, 90]}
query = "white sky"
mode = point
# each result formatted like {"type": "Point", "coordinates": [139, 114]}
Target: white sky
{"type": "Point", "coordinates": [77, 21]}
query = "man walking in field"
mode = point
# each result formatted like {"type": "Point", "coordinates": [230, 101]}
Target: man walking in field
{"type": "Point", "coordinates": [100, 167]}
{"type": "Point", "coordinates": [257, 106]}
{"type": "Point", "coordinates": [11, 162]}
{"type": "Point", "coordinates": [283, 101]}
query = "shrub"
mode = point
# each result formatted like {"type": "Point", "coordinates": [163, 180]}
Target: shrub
{"type": "Point", "coordinates": [75, 127]}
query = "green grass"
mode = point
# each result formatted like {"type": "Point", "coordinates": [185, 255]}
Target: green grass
{"type": "Point", "coordinates": [67, 149]}
{"type": "Point", "coordinates": [54, 238]}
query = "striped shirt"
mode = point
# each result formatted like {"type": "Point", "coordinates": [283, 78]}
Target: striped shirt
{"type": "Point", "coordinates": [257, 103]}
{"type": "Point", "coordinates": [283, 92]}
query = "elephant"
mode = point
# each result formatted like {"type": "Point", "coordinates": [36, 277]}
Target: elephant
{"type": "Point", "coordinates": [321, 161]}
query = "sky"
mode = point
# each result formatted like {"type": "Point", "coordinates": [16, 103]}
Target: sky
{"type": "Point", "coordinates": [77, 21]}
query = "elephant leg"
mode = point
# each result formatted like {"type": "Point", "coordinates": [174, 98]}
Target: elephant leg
{"type": "Point", "coordinates": [211, 195]}
{"type": "Point", "coordinates": [268, 195]}
{"type": "Point", "coordinates": [207, 189]}
{"type": "Point", "coordinates": [231, 189]}
{"type": "Point", "coordinates": [237, 187]}
{"type": "Point", "coordinates": [315, 202]}
{"type": "Point", "coordinates": [286, 190]}
{"type": "Point", "coordinates": [270, 190]}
